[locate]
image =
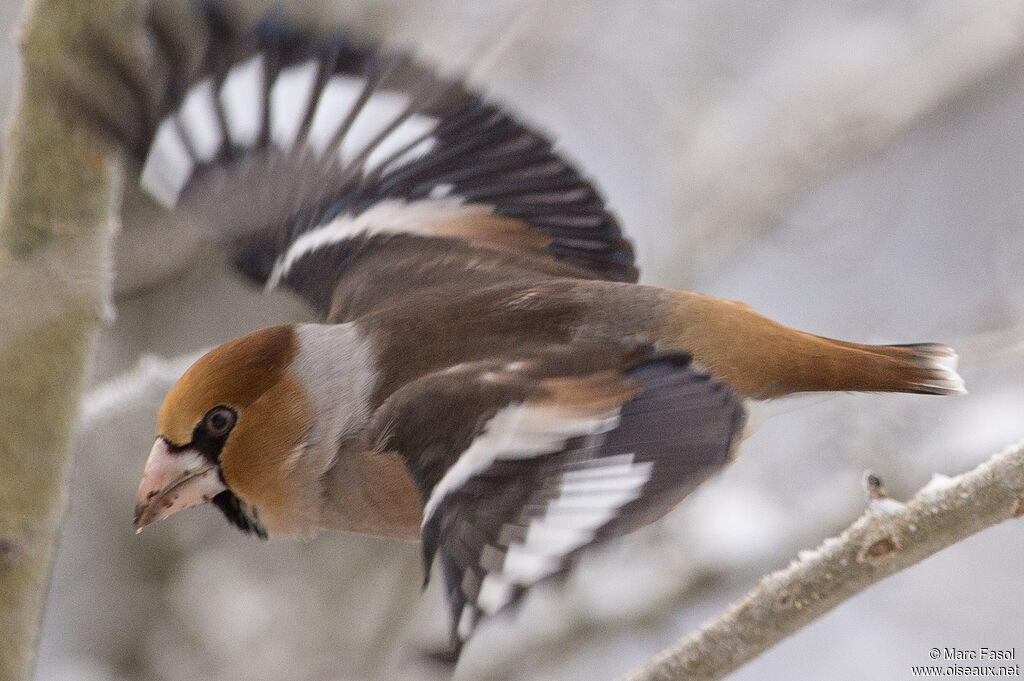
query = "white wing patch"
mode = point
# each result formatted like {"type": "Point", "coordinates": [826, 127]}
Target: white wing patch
{"type": "Point", "coordinates": [379, 111]}
{"type": "Point", "coordinates": [390, 216]}
{"type": "Point", "coordinates": [168, 164]}
{"type": "Point", "coordinates": [199, 120]}
{"type": "Point", "coordinates": [519, 431]}
{"type": "Point", "coordinates": [440, 191]}
{"type": "Point", "coordinates": [588, 497]}
{"type": "Point", "coordinates": [289, 101]}
{"type": "Point", "coordinates": [415, 127]}
{"type": "Point", "coordinates": [339, 95]}
{"type": "Point", "coordinates": [240, 97]}
{"type": "Point", "coordinates": [495, 593]}
{"type": "Point", "coordinates": [587, 500]}
{"type": "Point", "coordinates": [421, 148]}
{"type": "Point", "coordinates": [381, 130]}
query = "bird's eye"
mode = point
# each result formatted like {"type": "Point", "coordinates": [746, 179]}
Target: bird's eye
{"type": "Point", "coordinates": [219, 421]}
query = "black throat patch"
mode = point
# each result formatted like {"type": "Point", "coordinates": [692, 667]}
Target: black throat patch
{"type": "Point", "coordinates": [239, 513]}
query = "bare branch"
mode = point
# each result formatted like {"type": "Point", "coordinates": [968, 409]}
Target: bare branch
{"type": "Point", "coordinates": [151, 374]}
{"type": "Point", "coordinates": [55, 227]}
{"type": "Point", "coordinates": [889, 537]}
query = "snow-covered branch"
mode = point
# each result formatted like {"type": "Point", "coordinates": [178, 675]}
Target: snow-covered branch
{"type": "Point", "coordinates": [887, 538]}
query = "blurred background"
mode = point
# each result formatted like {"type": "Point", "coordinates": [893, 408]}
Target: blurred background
{"type": "Point", "coordinates": [853, 169]}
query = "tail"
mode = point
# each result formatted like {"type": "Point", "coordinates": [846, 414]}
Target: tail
{"type": "Point", "coordinates": [762, 359]}
{"type": "Point", "coordinates": [924, 368]}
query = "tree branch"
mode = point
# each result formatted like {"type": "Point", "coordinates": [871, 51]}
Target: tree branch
{"type": "Point", "coordinates": [151, 374]}
{"type": "Point", "coordinates": [55, 228]}
{"type": "Point", "coordinates": [889, 537]}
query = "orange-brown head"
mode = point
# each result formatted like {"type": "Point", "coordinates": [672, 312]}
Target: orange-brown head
{"type": "Point", "coordinates": [232, 431]}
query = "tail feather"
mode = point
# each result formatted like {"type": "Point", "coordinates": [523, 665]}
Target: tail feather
{"type": "Point", "coordinates": [817, 363]}
{"type": "Point", "coordinates": [762, 359]}
{"type": "Point", "coordinates": [926, 368]}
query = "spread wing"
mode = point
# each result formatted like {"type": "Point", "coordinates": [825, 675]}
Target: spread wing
{"type": "Point", "coordinates": [524, 464]}
{"type": "Point", "coordinates": [325, 156]}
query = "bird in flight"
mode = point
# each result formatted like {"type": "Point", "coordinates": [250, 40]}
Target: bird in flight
{"type": "Point", "coordinates": [485, 373]}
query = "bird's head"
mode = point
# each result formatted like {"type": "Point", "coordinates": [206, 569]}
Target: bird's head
{"type": "Point", "coordinates": [231, 431]}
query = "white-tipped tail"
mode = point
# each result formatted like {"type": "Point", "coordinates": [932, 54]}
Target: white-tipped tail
{"type": "Point", "coordinates": [941, 362]}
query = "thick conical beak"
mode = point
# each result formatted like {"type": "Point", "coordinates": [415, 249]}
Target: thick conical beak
{"type": "Point", "coordinates": [172, 481]}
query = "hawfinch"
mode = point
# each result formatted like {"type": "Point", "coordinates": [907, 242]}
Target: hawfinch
{"type": "Point", "coordinates": [485, 374]}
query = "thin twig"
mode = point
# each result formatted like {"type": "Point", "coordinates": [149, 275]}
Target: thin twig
{"type": "Point", "coordinates": [890, 536]}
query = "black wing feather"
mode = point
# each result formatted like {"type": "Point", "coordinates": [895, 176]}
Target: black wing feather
{"type": "Point", "coordinates": [523, 518]}
{"type": "Point", "coordinates": [478, 152]}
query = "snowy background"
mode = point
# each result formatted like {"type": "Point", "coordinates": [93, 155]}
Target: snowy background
{"type": "Point", "coordinates": [853, 169]}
